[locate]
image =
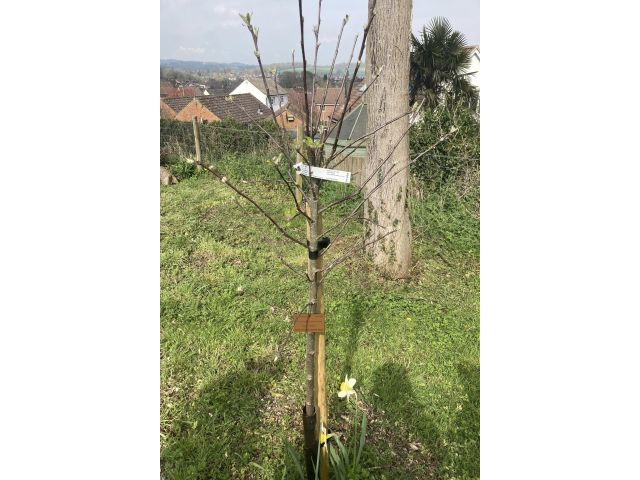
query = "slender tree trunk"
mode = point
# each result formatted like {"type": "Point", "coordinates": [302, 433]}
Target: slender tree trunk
{"type": "Point", "coordinates": [388, 44]}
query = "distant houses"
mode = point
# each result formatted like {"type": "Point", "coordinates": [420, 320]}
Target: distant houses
{"type": "Point", "coordinates": [251, 102]}
{"type": "Point", "coordinates": [276, 98]}
{"type": "Point", "coordinates": [475, 66]}
{"type": "Point", "coordinates": [289, 117]}
{"type": "Point", "coordinates": [164, 88]}
{"type": "Point", "coordinates": [244, 108]}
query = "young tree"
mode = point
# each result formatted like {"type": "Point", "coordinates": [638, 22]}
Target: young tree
{"type": "Point", "coordinates": [317, 156]}
{"type": "Point", "coordinates": [388, 46]}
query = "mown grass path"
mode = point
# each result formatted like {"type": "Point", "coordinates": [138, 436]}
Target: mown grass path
{"type": "Point", "coordinates": [413, 347]}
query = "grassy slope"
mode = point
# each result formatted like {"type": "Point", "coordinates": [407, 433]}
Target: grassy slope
{"type": "Point", "coordinates": [224, 403]}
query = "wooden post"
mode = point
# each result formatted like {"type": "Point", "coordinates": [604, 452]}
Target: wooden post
{"type": "Point", "coordinates": [196, 134]}
{"type": "Point", "coordinates": [298, 160]}
{"type": "Point", "coordinates": [320, 399]}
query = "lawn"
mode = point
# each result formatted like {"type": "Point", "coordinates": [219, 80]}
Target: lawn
{"type": "Point", "coordinates": [413, 347]}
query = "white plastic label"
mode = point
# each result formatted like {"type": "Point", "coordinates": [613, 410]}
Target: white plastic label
{"type": "Point", "coordinates": [323, 173]}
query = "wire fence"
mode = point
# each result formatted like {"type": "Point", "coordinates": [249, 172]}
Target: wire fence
{"type": "Point", "coordinates": [444, 190]}
{"type": "Point", "coordinates": [177, 141]}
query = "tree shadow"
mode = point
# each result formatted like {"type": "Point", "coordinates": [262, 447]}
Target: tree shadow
{"type": "Point", "coordinates": [468, 419]}
{"type": "Point", "coordinates": [219, 433]}
{"type": "Point", "coordinates": [406, 419]}
{"type": "Point", "coordinates": [356, 313]}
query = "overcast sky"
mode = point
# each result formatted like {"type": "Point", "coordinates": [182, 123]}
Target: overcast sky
{"type": "Point", "coordinates": [211, 30]}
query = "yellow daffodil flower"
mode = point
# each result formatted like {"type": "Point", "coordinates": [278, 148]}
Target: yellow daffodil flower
{"type": "Point", "coordinates": [323, 436]}
{"type": "Point", "coordinates": [346, 388]}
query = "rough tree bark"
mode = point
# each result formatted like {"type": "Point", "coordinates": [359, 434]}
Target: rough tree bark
{"type": "Point", "coordinates": [388, 44]}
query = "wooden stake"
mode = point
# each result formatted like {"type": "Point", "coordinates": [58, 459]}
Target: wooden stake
{"type": "Point", "coordinates": [320, 396]}
{"type": "Point", "coordinates": [196, 134]}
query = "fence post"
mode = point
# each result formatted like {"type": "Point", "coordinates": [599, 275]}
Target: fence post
{"type": "Point", "coordinates": [320, 379]}
{"type": "Point", "coordinates": [196, 134]}
{"type": "Point", "coordinates": [298, 160]}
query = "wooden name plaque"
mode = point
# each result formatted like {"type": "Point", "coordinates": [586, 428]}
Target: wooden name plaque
{"type": "Point", "coordinates": [313, 323]}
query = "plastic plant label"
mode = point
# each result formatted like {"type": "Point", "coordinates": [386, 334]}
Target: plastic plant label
{"type": "Point", "coordinates": [323, 173]}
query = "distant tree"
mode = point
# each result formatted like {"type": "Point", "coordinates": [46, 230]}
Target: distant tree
{"type": "Point", "coordinates": [438, 64]}
{"type": "Point", "coordinates": [287, 80]}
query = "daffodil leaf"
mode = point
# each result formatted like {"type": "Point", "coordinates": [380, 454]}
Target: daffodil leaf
{"type": "Point", "coordinates": [362, 436]}
{"type": "Point", "coordinates": [294, 457]}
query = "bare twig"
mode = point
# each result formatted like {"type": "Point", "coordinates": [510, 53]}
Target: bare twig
{"type": "Point", "coordinates": [273, 307]}
{"type": "Point", "coordinates": [303, 275]}
{"type": "Point", "coordinates": [367, 27]}
{"type": "Point", "coordinates": [254, 35]}
{"type": "Point", "coordinates": [315, 62]}
{"type": "Point", "coordinates": [391, 152]}
{"type": "Point", "coordinates": [349, 218]}
{"type": "Point", "coordinates": [344, 77]}
{"type": "Point", "coordinates": [267, 180]}
{"type": "Point", "coordinates": [326, 271]}
{"type": "Point", "coordinates": [291, 330]}
{"type": "Point", "coordinates": [326, 87]}
{"type": "Point", "coordinates": [287, 156]}
{"type": "Point", "coordinates": [226, 182]}
{"type": "Point", "coordinates": [304, 67]}
{"type": "Point", "coordinates": [363, 137]}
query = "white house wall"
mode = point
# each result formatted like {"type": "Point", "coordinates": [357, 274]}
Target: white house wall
{"type": "Point", "coordinates": [248, 87]}
{"type": "Point", "coordinates": [475, 67]}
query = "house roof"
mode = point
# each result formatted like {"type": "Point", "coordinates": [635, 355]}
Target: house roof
{"type": "Point", "coordinates": [165, 87]}
{"type": "Point", "coordinates": [354, 124]}
{"type": "Point", "coordinates": [292, 109]}
{"type": "Point", "coordinates": [219, 92]}
{"type": "Point", "coordinates": [259, 84]}
{"type": "Point", "coordinates": [221, 108]}
{"type": "Point", "coordinates": [177, 104]}
{"type": "Point", "coordinates": [471, 48]}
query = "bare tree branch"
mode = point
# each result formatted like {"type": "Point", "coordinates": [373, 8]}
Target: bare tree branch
{"type": "Point", "coordinates": [326, 87]}
{"type": "Point", "coordinates": [344, 77]}
{"type": "Point", "coordinates": [286, 154]}
{"type": "Point", "coordinates": [266, 180]}
{"type": "Point", "coordinates": [315, 62]}
{"type": "Point", "coordinates": [367, 135]}
{"type": "Point", "coordinates": [347, 107]}
{"type": "Point", "coordinates": [226, 182]}
{"type": "Point", "coordinates": [391, 152]}
{"type": "Point", "coordinates": [303, 275]}
{"type": "Point", "coordinates": [254, 35]}
{"type": "Point", "coordinates": [291, 329]}
{"type": "Point", "coordinates": [304, 66]}
{"type": "Point", "coordinates": [273, 307]}
{"type": "Point", "coordinates": [355, 72]}
{"type": "Point", "coordinates": [344, 257]}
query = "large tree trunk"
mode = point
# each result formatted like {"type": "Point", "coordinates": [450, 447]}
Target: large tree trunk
{"type": "Point", "coordinates": [388, 44]}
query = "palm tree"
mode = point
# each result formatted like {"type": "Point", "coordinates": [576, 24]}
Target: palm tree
{"type": "Point", "coordinates": [439, 64]}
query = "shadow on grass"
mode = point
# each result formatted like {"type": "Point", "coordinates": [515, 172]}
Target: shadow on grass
{"type": "Point", "coordinates": [357, 310]}
{"type": "Point", "coordinates": [410, 421]}
{"type": "Point", "coordinates": [218, 435]}
{"type": "Point", "coordinates": [407, 419]}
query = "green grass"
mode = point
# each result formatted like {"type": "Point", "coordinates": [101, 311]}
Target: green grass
{"type": "Point", "coordinates": [225, 403]}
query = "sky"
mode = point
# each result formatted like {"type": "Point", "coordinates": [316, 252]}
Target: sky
{"type": "Point", "coordinates": [212, 31]}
